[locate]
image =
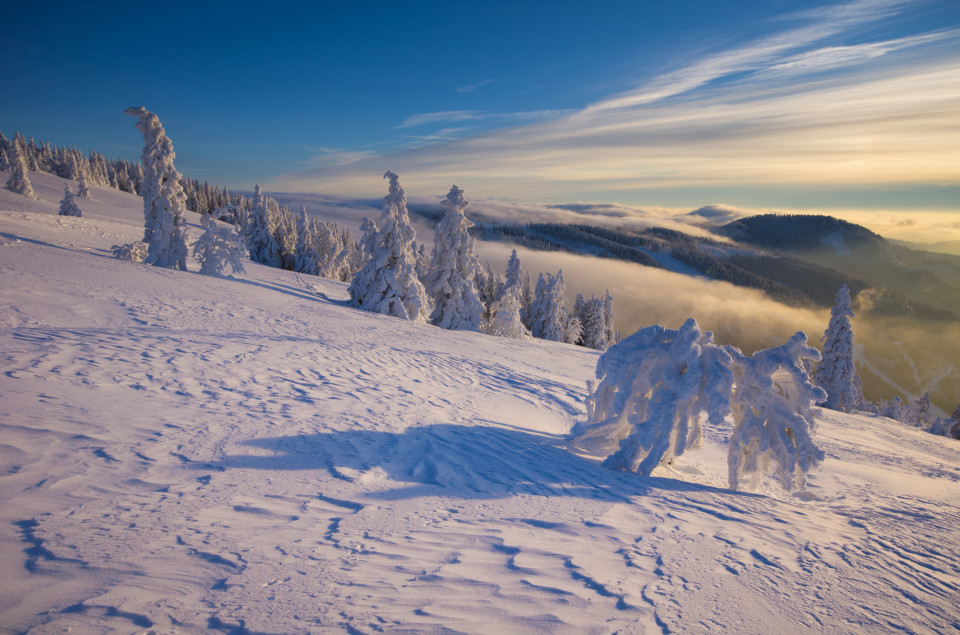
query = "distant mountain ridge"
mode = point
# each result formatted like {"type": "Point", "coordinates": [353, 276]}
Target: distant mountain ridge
{"type": "Point", "coordinates": [799, 260]}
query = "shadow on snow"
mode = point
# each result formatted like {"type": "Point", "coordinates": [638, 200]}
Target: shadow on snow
{"type": "Point", "coordinates": [474, 462]}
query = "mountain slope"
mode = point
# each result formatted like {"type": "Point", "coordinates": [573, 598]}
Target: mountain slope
{"type": "Point", "coordinates": [191, 454]}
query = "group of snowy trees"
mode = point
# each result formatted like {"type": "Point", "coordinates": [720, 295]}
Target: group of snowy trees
{"type": "Point", "coordinates": [453, 291]}
{"type": "Point", "coordinates": [655, 385]}
{"type": "Point", "coordinates": [837, 376]}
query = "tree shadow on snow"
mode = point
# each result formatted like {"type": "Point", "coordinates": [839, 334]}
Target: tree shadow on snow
{"type": "Point", "coordinates": [474, 462]}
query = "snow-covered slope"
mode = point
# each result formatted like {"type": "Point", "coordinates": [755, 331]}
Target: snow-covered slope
{"type": "Point", "coordinates": [180, 453]}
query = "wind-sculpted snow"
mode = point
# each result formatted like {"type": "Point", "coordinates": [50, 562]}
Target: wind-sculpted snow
{"type": "Point", "coordinates": [182, 453]}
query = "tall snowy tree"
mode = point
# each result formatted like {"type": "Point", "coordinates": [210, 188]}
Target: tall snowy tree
{"type": "Point", "coordinates": [82, 190]}
{"type": "Point", "coordinates": [68, 206]}
{"type": "Point", "coordinates": [164, 202]}
{"type": "Point", "coordinates": [307, 256]}
{"type": "Point", "coordinates": [836, 373]}
{"type": "Point", "coordinates": [18, 180]}
{"type": "Point", "coordinates": [259, 231]}
{"type": "Point", "coordinates": [388, 283]}
{"type": "Point", "coordinates": [450, 279]}
{"type": "Point", "coordinates": [548, 312]}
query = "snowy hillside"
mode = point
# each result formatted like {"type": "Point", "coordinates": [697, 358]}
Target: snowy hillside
{"type": "Point", "coordinates": [182, 453]}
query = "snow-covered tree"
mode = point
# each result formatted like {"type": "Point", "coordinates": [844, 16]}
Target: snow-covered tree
{"type": "Point", "coordinates": [388, 283]}
{"type": "Point", "coordinates": [514, 275]}
{"type": "Point", "coordinates": [653, 386]}
{"type": "Point", "coordinates": [836, 373]}
{"type": "Point", "coordinates": [219, 246]}
{"type": "Point", "coordinates": [259, 231]}
{"type": "Point", "coordinates": [307, 255]}
{"type": "Point", "coordinates": [286, 237]}
{"type": "Point", "coordinates": [82, 190]}
{"type": "Point", "coordinates": [772, 412]}
{"type": "Point", "coordinates": [892, 409]}
{"type": "Point", "coordinates": [548, 314]}
{"type": "Point", "coordinates": [592, 315]}
{"type": "Point", "coordinates": [451, 276]}
{"type": "Point", "coordinates": [164, 202]}
{"type": "Point", "coordinates": [505, 316]}
{"type": "Point", "coordinates": [68, 206]}
{"type": "Point", "coordinates": [918, 413]}
{"type": "Point", "coordinates": [658, 385]}
{"type": "Point", "coordinates": [18, 181]}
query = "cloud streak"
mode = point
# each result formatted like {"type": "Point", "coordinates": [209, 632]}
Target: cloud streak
{"type": "Point", "coordinates": [796, 110]}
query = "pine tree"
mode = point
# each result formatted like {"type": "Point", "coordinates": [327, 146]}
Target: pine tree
{"type": "Point", "coordinates": [548, 313]}
{"type": "Point", "coordinates": [218, 247]}
{"type": "Point", "coordinates": [836, 373]}
{"type": "Point", "coordinates": [505, 316]}
{"type": "Point", "coordinates": [388, 283]}
{"type": "Point", "coordinates": [307, 258]}
{"type": "Point", "coordinates": [83, 191]}
{"type": "Point", "coordinates": [68, 206]}
{"type": "Point", "coordinates": [164, 202]}
{"type": "Point", "coordinates": [18, 181]}
{"type": "Point", "coordinates": [285, 235]}
{"type": "Point", "coordinates": [259, 231]}
{"type": "Point", "coordinates": [453, 268]}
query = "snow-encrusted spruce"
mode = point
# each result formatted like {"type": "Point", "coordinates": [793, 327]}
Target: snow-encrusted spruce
{"type": "Point", "coordinates": [388, 282]}
{"type": "Point", "coordinates": [307, 256]}
{"type": "Point", "coordinates": [82, 190]}
{"type": "Point", "coordinates": [259, 230]}
{"type": "Point", "coordinates": [218, 246]}
{"type": "Point", "coordinates": [164, 201]}
{"type": "Point", "coordinates": [548, 313]}
{"type": "Point", "coordinates": [773, 420]}
{"type": "Point", "coordinates": [450, 279]}
{"type": "Point", "coordinates": [836, 373]}
{"type": "Point", "coordinates": [653, 387]}
{"type": "Point", "coordinates": [18, 181]}
{"type": "Point", "coordinates": [505, 316]}
{"type": "Point", "coordinates": [892, 409]}
{"type": "Point", "coordinates": [285, 234]}
{"type": "Point", "coordinates": [68, 206]}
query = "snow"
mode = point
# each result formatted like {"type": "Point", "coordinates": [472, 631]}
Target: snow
{"type": "Point", "coordinates": [185, 453]}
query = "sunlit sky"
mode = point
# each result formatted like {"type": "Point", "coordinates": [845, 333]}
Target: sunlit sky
{"type": "Point", "coordinates": [850, 108]}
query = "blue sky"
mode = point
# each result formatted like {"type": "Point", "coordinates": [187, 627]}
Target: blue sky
{"type": "Point", "coordinates": [828, 106]}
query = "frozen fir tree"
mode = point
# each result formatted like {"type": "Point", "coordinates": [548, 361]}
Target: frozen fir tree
{"type": "Point", "coordinates": [505, 316]}
{"type": "Point", "coordinates": [653, 388]}
{"type": "Point", "coordinates": [593, 317]}
{"type": "Point", "coordinates": [451, 276]}
{"type": "Point", "coordinates": [68, 206]}
{"type": "Point", "coordinates": [5, 152]}
{"type": "Point", "coordinates": [218, 247]}
{"type": "Point", "coordinates": [918, 413]}
{"type": "Point", "coordinates": [388, 282]}
{"type": "Point", "coordinates": [772, 413]}
{"type": "Point", "coordinates": [259, 231]}
{"type": "Point", "coordinates": [286, 236]}
{"type": "Point", "coordinates": [892, 409]}
{"type": "Point", "coordinates": [836, 373]}
{"type": "Point", "coordinates": [164, 202]}
{"type": "Point", "coordinates": [514, 275]}
{"type": "Point", "coordinates": [82, 190]}
{"type": "Point", "coordinates": [548, 314]}
{"type": "Point", "coordinates": [18, 181]}
{"type": "Point", "coordinates": [573, 331]}
{"type": "Point", "coordinates": [307, 256]}
{"type": "Point", "coordinates": [611, 336]}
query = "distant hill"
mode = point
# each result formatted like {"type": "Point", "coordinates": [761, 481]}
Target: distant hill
{"type": "Point", "coordinates": [916, 283]}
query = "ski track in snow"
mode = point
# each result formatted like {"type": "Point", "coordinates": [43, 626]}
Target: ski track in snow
{"type": "Point", "coordinates": [187, 454]}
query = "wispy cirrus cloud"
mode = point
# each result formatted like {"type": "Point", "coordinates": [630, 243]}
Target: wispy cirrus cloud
{"type": "Point", "coordinates": [472, 88]}
{"type": "Point", "coordinates": [807, 109]}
